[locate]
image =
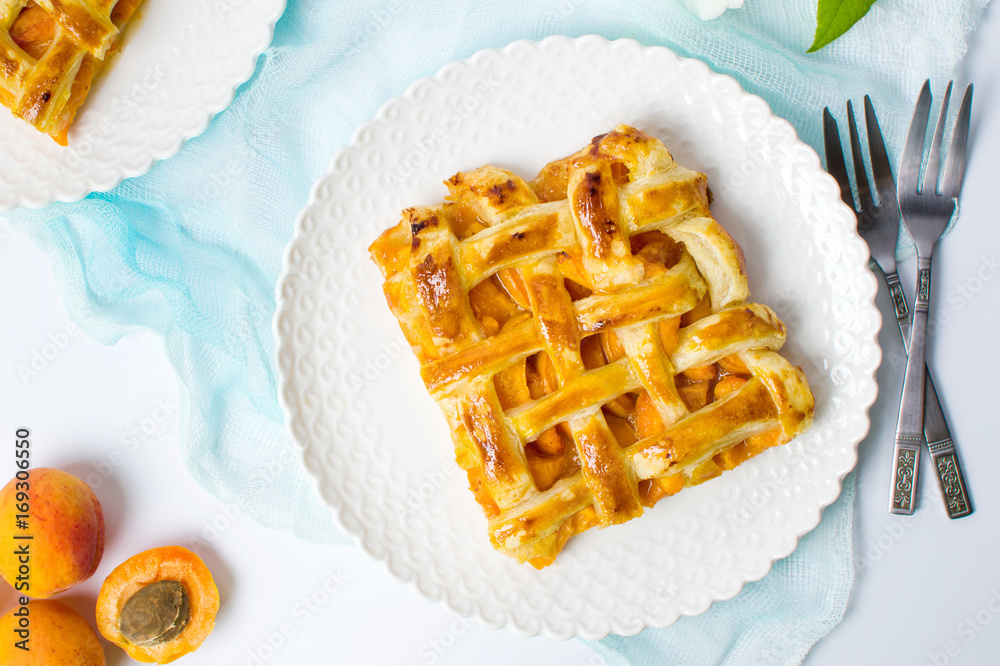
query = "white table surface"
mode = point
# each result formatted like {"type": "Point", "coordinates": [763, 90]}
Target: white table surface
{"type": "Point", "coordinates": [926, 591]}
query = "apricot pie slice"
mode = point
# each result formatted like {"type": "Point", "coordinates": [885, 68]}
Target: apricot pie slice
{"type": "Point", "coordinates": [50, 52]}
{"type": "Point", "coordinates": [588, 338]}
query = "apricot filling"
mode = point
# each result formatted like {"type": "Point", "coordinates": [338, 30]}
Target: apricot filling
{"type": "Point", "coordinates": [158, 605]}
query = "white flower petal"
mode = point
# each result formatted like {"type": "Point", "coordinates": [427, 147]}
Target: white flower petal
{"type": "Point", "coordinates": [710, 9]}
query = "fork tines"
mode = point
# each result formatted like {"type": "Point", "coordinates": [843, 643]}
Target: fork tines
{"type": "Point", "coordinates": [909, 175]}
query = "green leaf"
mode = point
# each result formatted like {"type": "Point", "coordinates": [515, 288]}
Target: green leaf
{"type": "Point", "coordinates": [835, 17]}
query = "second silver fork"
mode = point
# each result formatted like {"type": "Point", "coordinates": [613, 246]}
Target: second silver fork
{"type": "Point", "coordinates": [926, 214]}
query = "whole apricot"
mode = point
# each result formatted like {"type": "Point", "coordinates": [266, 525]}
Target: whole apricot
{"type": "Point", "coordinates": [158, 605]}
{"type": "Point", "coordinates": [51, 532]}
{"type": "Point", "coordinates": [47, 632]}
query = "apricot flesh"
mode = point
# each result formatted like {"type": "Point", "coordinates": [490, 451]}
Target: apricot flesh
{"type": "Point", "coordinates": [57, 636]}
{"type": "Point", "coordinates": [158, 605]}
{"type": "Point", "coordinates": [66, 525]}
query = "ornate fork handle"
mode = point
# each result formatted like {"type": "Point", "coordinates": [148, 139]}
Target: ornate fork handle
{"type": "Point", "coordinates": [944, 456]}
{"type": "Point", "coordinates": [899, 305]}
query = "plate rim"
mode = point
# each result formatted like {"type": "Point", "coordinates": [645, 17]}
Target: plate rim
{"type": "Point", "coordinates": [409, 577]}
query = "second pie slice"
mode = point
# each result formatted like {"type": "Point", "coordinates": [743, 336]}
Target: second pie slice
{"type": "Point", "coordinates": [589, 339]}
{"type": "Point", "coordinates": [50, 53]}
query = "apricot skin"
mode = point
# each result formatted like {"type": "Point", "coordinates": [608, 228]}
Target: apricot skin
{"type": "Point", "coordinates": [66, 524]}
{"type": "Point", "coordinates": [58, 636]}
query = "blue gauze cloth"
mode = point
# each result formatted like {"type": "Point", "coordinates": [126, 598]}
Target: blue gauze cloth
{"type": "Point", "coordinates": [192, 249]}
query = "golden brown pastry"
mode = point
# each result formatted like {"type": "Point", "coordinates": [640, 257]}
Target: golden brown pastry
{"type": "Point", "coordinates": [588, 339]}
{"type": "Point", "coordinates": [50, 52]}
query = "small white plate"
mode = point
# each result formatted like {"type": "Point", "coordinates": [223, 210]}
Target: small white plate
{"type": "Point", "coordinates": [377, 444]}
{"type": "Point", "coordinates": [181, 64]}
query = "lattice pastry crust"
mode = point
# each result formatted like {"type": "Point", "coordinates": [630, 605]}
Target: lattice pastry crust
{"type": "Point", "coordinates": [588, 339]}
{"type": "Point", "coordinates": [50, 52]}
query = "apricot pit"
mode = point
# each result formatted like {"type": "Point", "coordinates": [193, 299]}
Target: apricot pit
{"type": "Point", "coordinates": [155, 614]}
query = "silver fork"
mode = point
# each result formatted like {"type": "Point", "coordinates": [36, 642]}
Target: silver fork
{"type": "Point", "coordinates": [926, 213]}
{"type": "Point", "coordinates": [878, 225]}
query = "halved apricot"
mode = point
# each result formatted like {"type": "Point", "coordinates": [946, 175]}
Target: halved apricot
{"type": "Point", "coordinates": [669, 332]}
{"type": "Point", "coordinates": [158, 605]}
{"type": "Point", "coordinates": [700, 373]}
{"type": "Point", "coordinates": [727, 385]}
{"type": "Point", "coordinates": [647, 420]}
{"type": "Point", "coordinates": [694, 395]}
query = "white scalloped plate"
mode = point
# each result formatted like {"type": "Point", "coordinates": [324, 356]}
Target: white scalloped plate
{"type": "Point", "coordinates": [376, 443]}
{"type": "Point", "coordinates": [180, 65]}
